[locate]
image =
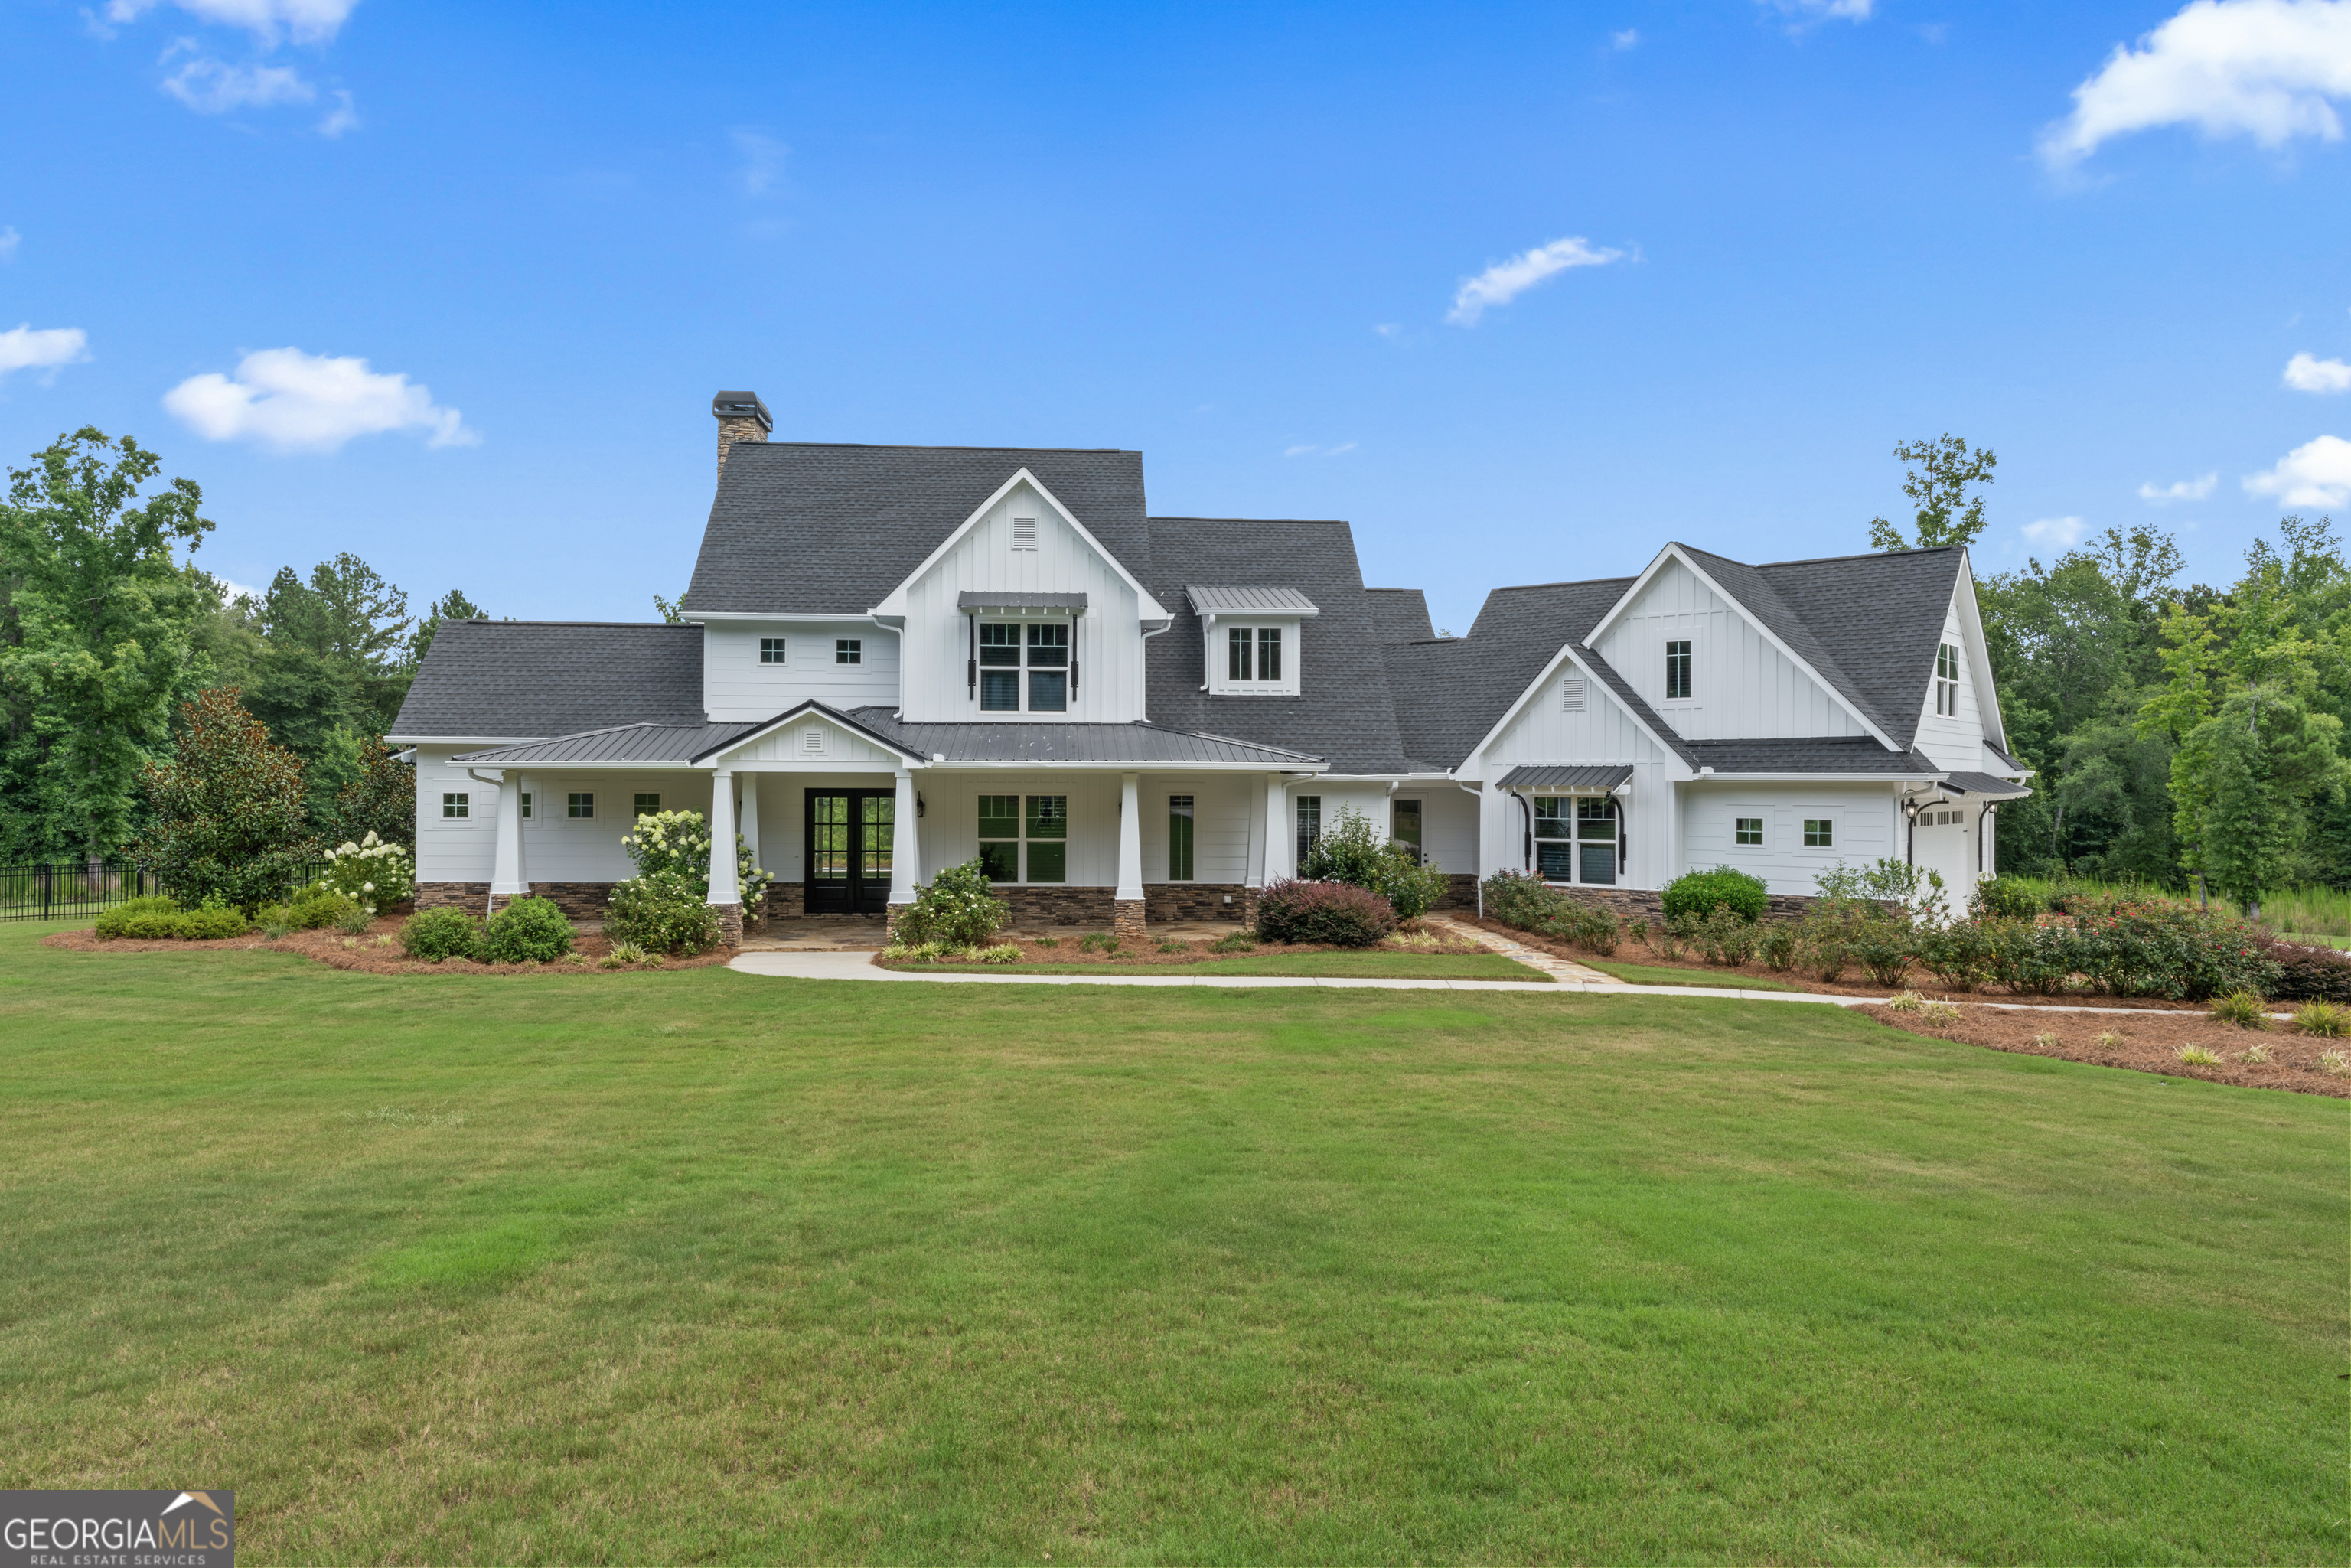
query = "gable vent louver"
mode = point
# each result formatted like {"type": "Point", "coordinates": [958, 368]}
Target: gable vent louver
{"type": "Point", "coordinates": [1024, 533]}
{"type": "Point", "coordinates": [1570, 695]}
{"type": "Point", "coordinates": [812, 741]}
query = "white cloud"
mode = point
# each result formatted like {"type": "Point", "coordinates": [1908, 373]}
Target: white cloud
{"type": "Point", "coordinates": [341, 117]}
{"type": "Point", "coordinates": [2266, 68]}
{"type": "Point", "coordinates": [308, 21]}
{"type": "Point", "coordinates": [294, 401]}
{"type": "Point", "coordinates": [29, 348]}
{"type": "Point", "coordinates": [2304, 374]}
{"type": "Point", "coordinates": [2315, 473]}
{"type": "Point", "coordinates": [1506, 280]}
{"type": "Point", "coordinates": [1826, 10]}
{"type": "Point", "coordinates": [1628, 38]}
{"type": "Point", "coordinates": [2178, 490]}
{"type": "Point", "coordinates": [9, 240]}
{"type": "Point", "coordinates": [2058, 533]}
{"type": "Point", "coordinates": [209, 87]}
{"type": "Point", "coordinates": [763, 161]}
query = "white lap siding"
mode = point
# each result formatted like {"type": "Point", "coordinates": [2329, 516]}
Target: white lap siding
{"type": "Point", "coordinates": [1864, 819]}
{"type": "Point", "coordinates": [453, 849]}
{"type": "Point", "coordinates": [1225, 807]}
{"type": "Point", "coordinates": [1449, 825]}
{"type": "Point", "coordinates": [737, 686]}
{"type": "Point", "coordinates": [559, 847]}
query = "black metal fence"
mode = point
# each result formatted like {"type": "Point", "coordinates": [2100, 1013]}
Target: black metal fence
{"type": "Point", "coordinates": [64, 889]}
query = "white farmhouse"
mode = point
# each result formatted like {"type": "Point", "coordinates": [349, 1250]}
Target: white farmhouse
{"type": "Point", "coordinates": [897, 658]}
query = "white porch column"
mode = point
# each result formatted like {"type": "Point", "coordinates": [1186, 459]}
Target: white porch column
{"type": "Point", "coordinates": [750, 825]}
{"type": "Point", "coordinates": [726, 886]}
{"type": "Point", "coordinates": [506, 867]}
{"type": "Point", "coordinates": [905, 844]}
{"type": "Point", "coordinates": [1280, 841]}
{"type": "Point", "coordinates": [1126, 900]}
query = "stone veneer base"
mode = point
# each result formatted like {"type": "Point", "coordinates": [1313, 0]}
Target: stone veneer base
{"type": "Point", "coordinates": [1126, 918]}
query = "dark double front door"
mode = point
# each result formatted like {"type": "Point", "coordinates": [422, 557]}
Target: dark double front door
{"type": "Point", "coordinates": [850, 836]}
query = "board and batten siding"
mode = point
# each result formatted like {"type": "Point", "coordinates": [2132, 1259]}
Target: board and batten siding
{"type": "Point", "coordinates": [1867, 819]}
{"type": "Point", "coordinates": [737, 687]}
{"type": "Point", "coordinates": [1109, 642]}
{"type": "Point", "coordinates": [1547, 731]}
{"type": "Point", "coordinates": [1741, 687]}
{"type": "Point", "coordinates": [1953, 740]}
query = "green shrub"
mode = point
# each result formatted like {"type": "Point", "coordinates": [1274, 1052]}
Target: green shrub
{"type": "Point", "coordinates": [1958, 954]}
{"type": "Point", "coordinates": [2167, 949]}
{"type": "Point", "coordinates": [959, 907]}
{"type": "Point", "coordinates": [527, 931]}
{"type": "Point", "coordinates": [1336, 913]}
{"type": "Point", "coordinates": [1354, 851]}
{"type": "Point", "coordinates": [275, 920]}
{"type": "Point", "coordinates": [1001, 953]}
{"type": "Point", "coordinates": [2244, 1008]}
{"type": "Point", "coordinates": [624, 953]}
{"type": "Point", "coordinates": [1883, 944]}
{"type": "Point", "coordinates": [1098, 942]}
{"type": "Point", "coordinates": [1722, 934]}
{"type": "Point", "coordinates": [319, 906]}
{"type": "Point", "coordinates": [662, 912]}
{"type": "Point", "coordinates": [434, 934]}
{"type": "Point", "coordinates": [211, 921]}
{"type": "Point", "coordinates": [2008, 897]}
{"type": "Point", "coordinates": [2306, 972]}
{"type": "Point", "coordinates": [2196, 1056]}
{"type": "Point", "coordinates": [1241, 941]}
{"type": "Point", "coordinates": [145, 919]}
{"type": "Point", "coordinates": [1779, 946]}
{"type": "Point", "coordinates": [1694, 894]}
{"type": "Point", "coordinates": [2025, 956]}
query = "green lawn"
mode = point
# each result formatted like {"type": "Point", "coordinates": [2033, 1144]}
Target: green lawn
{"type": "Point", "coordinates": [701, 1266]}
{"type": "Point", "coordinates": [1352, 966]}
{"type": "Point", "coordinates": [1663, 975]}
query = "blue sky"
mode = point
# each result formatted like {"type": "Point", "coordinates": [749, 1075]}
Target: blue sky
{"type": "Point", "coordinates": [1236, 238]}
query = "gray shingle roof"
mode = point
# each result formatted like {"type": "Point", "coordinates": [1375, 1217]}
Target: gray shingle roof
{"type": "Point", "coordinates": [830, 530]}
{"type": "Point", "coordinates": [1343, 711]}
{"type": "Point", "coordinates": [538, 678]}
{"type": "Point", "coordinates": [1448, 695]}
{"type": "Point", "coordinates": [1879, 618]}
{"type": "Point", "coordinates": [1813, 754]}
{"type": "Point", "coordinates": [1028, 741]}
{"type": "Point", "coordinates": [1402, 614]}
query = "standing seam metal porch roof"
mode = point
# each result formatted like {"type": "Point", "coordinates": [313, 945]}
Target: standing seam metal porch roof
{"type": "Point", "coordinates": [1601, 776]}
{"type": "Point", "coordinates": [1109, 745]}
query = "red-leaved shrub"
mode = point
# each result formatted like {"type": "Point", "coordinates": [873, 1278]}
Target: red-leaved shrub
{"type": "Point", "coordinates": [1326, 911]}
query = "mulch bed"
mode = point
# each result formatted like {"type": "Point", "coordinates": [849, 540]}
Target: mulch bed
{"type": "Point", "coordinates": [370, 956]}
{"type": "Point", "coordinates": [2149, 1045]}
{"type": "Point", "coordinates": [1856, 984]}
{"type": "Point", "coordinates": [1147, 955]}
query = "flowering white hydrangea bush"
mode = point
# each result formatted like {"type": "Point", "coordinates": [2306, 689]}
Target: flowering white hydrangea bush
{"type": "Point", "coordinates": [371, 872]}
{"type": "Point", "coordinates": [677, 844]}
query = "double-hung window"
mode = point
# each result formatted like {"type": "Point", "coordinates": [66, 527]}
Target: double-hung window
{"type": "Point", "coordinates": [1253, 653]}
{"type": "Point", "coordinates": [1048, 667]}
{"type": "Point", "coordinates": [1310, 826]}
{"type": "Point", "coordinates": [526, 804]}
{"type": "Point", "coordinates": [1179, 838]}
{"type": "Point", "coordinates": [1947, 680]}
{"type": "Point", "coordinates": [1576, 839]}
{"type": "Point", "coordinates": [1000, 667]}
{"type": "Point", "coordinates": [1678, 671]}
{"type": "Point", "coordinates": [1029, 833]}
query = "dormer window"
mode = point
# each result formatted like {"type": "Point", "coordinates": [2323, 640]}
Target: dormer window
{"type": "Point", "coordinates": [1253, 653]}
{"type": "Point", "coordinates": [1946, 680]}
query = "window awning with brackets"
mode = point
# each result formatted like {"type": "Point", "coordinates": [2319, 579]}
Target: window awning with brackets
{"type": "Point", "coordinates": [1592, 779]}
{"type": "Point", "coordinates": [1982, 787]}
{"type": "Point", "coordinates": [1065, 603]}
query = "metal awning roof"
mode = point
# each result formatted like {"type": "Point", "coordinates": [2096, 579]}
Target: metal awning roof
{"type": "Point", "coordinates": [1984, 785]}
{"type": "Point", "coordinates": [1230, 600]}
{"type": "Point", "coordinates": [1604, 777]}
{"type": "Point", "coordinates": [1070, 601]}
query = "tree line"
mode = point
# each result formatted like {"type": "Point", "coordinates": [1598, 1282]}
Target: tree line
{"type": "Point", "coordinates": [2182, 734]}
{"type": "Point", "coordinates": [107, 636]}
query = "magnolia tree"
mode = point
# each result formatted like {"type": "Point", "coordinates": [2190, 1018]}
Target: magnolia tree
{"type": "Point", "coordinates": [225, 814]}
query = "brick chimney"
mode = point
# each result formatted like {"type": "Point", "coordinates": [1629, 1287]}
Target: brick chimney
{"type": "Point", "coordinates": [741, 417]}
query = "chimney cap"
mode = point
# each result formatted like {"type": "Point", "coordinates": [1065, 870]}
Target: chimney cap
{"type": "Point", "coordinates": [740, 404]}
